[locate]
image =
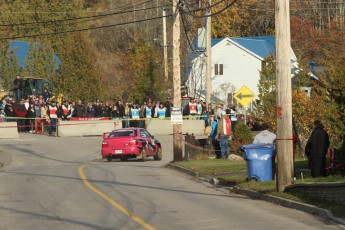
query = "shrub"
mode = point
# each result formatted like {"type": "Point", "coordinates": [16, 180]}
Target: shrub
{"type": "Point", "coordinates": [241, 136]}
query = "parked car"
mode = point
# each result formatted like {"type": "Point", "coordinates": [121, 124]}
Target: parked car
{"type": "Point", "coordinates": [130, 143]}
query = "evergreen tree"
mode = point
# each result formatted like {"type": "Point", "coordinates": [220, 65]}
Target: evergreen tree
{"type": "Point", "coordinates": [8, 66]}
{"type": "Point", "coordinates": [146, 78]}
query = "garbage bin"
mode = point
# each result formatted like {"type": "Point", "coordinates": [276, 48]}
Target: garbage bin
{"type": "Point", "coordinates": [259, 161]}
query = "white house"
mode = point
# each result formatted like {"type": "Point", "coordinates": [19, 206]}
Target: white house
{"type": "Point", "coordinates": [236, 62]}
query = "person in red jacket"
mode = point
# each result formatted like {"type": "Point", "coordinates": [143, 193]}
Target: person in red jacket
{"type": "Point", "coordinates": [20, 112]}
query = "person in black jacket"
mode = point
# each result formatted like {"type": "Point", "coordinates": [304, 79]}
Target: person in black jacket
{"type": "Point", "coordinates": [316, 150]}
{"type": "Point", "coordinates": [79, 110]}
{"type": "Point", "coordinates": [17, 88]}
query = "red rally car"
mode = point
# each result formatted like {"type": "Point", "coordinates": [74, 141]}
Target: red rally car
{"type": "Point", "coordinates": [130, 143]}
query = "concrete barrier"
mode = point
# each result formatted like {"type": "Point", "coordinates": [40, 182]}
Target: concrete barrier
{"type": "Point", "coordinates": [163, 127]}
{"type": "Point", "coordinates": [8, 130]}
{"type": "Point", "coordinates": [98, 127]}
{"type": "Point", "coordinates": [87, 128]}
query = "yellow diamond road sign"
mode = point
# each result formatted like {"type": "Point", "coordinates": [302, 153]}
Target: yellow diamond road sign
{"type": "Point", "coordinates": [244, 96]}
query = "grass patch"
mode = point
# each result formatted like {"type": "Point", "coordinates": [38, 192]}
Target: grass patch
{"type": "Point", "coordinates": [214, 166]}
{"type": "Point", "coordinates": [237, 171]}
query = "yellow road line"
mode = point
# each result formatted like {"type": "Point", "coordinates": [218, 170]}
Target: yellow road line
{"type": "Point", "coordinates": [111, 201]}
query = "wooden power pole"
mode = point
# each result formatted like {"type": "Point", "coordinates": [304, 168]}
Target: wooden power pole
{"type": "Point", "coordinates": [177, 128]}
{"type": "Point", "coordinates": [165, 47]}
{"type": "Point", "coordinates": [284, 98]}
{"type": "Point", "coordinates": [208, 53]}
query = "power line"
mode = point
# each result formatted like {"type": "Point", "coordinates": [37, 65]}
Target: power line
{"type": "Point", "coordinates": [123, 7]}
{"type": "Point", "coordinates": [85, 29]}
{"type": "Point", "coordinates": [209, 15]}
{"type": "Point", "coordinates": [79, 18]}
{"type": "Point", "coordinates": [185, 32]}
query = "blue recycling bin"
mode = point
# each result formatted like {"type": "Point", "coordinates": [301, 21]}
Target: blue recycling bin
{"type": "Point", "coordinates": [259, 161]}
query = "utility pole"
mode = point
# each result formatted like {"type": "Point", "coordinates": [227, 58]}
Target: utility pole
{"type": "Point", "coordinates": [284, 98]}
{"type": "Point", "coordinates": [165, 46]}
{"type": "Point", "coordinates": [208, 53]}
{"type": "Point", "coordinates": [177, 128]}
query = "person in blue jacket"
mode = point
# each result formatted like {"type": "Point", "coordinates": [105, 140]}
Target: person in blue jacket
{"type": "Point", "coordinates": [213, 135]}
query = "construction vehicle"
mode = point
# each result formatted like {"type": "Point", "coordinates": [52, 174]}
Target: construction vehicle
{"type": "Point", "coordinates": [33, 86]}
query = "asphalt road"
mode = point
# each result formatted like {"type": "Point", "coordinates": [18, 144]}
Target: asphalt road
{"type": "Point", "coordinates": [60, 183]}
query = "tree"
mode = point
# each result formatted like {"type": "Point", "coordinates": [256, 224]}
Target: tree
{"type": "Point", "coordinates": [8, 66]}
{"type": "Point", "coordinates": [143, 65]}
{"type": "Point", "coordinates": [40, 62]}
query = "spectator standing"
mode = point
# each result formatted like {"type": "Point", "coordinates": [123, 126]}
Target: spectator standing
{"type": "Point", "coordinates": [31, 115]}
{"type": "Point", "coordinates": [167, 105]}
{"type": "Point", "coordinates": [17, 86]}
{"type": "Point", "coordinates": [2, 115]}
{"type": "Point", "coordinates": [72, 105]}
{"type": "Point", "coordinates": [46, 95]}
{"type": "Point", "coordinates": [199, 108]}
{"type": "Point", "coordinates": [220, 110]}
{"type": "Point", "coordinates": [215, 141]}
{"type": "Point", "coordinates": [66, 110]}
{"type": "Point", "coordinates": [161, 111]}
{"type": "Point", "coordinates": [233, 116]}
{"type": "Point", "coordinates": [45, 118]}
{"type": "Point", "coordinates": [59, 110]}
{"type": "Point", "coordinates": [90, 110]}
{"type": "Point", "coordinates": [37, 108]}
{"type": "Point", "coordinates": [115, 112]}
{"type": "Point", "coordinates": [135, 112]}
{"type": "Point", "coordinates": [127, 114]}
{"type": "Point", "coordinates": [316, 149]}
{"type": "Point", "coordinates": [79, 110]}
{"type": "Point", "coordinates": [9, 110]}
{"type": "Point", "coordinates": [148, 111]}
{"type": "Point", "coordinates": [98, 109]}
{"type": "Point", "coordinates": [20, 112]}
{"type": "Point", "coordinates": [107, 110]}
{"type": "Point", "coordinates": [193, 110]}
{"type": "Point", "coordinates": [53, 117]}
{"type": "Point", "coordinates": [223, 134]}
{"type": "Point", "coordinates": [265, 136]}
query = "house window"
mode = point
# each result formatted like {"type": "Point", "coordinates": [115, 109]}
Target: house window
{"type": "Point", "coordinates": [218, 69]}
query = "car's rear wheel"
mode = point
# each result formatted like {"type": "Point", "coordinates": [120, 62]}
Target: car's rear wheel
{"type": "Point", "coordinates": [158, 155]}
{"type": "Point", "coordinates": [109, 158]}
{"type": "Point", "coordinates": [143, 154]}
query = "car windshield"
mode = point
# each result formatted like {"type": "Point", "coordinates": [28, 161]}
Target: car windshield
{"type": "Point", "coordinates": [122, 133]}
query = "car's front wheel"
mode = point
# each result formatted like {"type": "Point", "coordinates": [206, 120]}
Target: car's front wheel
{"type": "Point", "coordinates": [143, 154]}
{"type": "Point", "coordinates": [159, 154]}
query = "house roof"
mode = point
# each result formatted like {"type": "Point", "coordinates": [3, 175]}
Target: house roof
{"type": "Point", "coordinates": [21, 49]}
{"type": "Point", "coordinates": [262, 46]}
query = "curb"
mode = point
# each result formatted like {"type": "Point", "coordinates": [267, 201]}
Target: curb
{"type": "Point", "coordinates": [311, 209]}
{"type": "Point", "coordinates": [182, 169]}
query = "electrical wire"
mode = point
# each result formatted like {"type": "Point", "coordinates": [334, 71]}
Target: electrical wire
{"type": "Point", "coordinates": [79, 18]}
{"type": "Point", "coordinates": [209, 15]}
{"type": "Point", "coordinates": [185, 32]}
{"type": "Point", "coordinates": [85, 29]}
{"type": "Point", "coordinates": [208, 5]}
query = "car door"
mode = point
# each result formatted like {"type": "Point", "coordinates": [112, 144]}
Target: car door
{"type": "Point", "coordinates": [145, 137]}
{"type": "Point", "coordinates": [151, 142]}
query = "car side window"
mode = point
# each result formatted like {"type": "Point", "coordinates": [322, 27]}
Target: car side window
{"type": "Point", "coordinates": [147, 134]}
{"type": "Point", "coordinates": [143, 133]}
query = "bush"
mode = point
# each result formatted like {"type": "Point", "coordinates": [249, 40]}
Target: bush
{"type": "Point", "coordinates": [241, 136]}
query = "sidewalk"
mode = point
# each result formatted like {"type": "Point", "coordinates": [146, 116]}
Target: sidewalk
{"type": "Point", "coordinates": [311, 209]}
